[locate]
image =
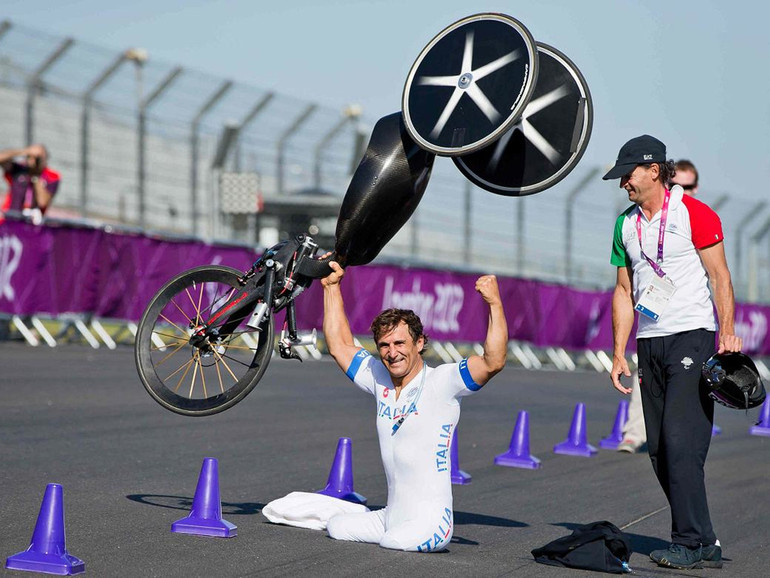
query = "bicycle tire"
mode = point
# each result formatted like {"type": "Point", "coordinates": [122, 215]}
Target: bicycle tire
{"type": "Point", "coordinates": [165, 331]}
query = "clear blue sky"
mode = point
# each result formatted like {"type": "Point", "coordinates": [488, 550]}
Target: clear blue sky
{"type": "Point", "coordinates": [691, 72]}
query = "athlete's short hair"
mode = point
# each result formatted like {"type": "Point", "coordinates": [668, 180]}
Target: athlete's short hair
{"type": "Point", "coordinates": [387, 321]}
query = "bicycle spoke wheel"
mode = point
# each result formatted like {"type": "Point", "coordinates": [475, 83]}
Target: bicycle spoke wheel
{"type": "Point", "coordinates": [200, 372]}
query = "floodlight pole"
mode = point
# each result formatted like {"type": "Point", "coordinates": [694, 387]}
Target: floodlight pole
{"type": "Point", "coordinates": [247, 120]}
{"type": "Point", "coordinates": [520, 236]}
{"type": "Point", "coordinates": [259, 106]}
{"type": "Point", "coordinates": [754, 260]}
{"type": "Point", "coordinates": [143, 106]}
{"type": "Point", "coordinates": [349, 114]}
{"type": "Point", "coordinates": [227, 140]}
{"type": "Point", "coordinates": [33, 85]}
{"type": "Point", "coordinates": [85, 119]}
{"type": "Point", "coordinates": [194, 145]}
{"type": "Point", "coordinates": [755, 211]}
{"type": "Point", "coordinates": [468, 218]}
{"type": "Point", "coordinates": [303, 116]}
{"type": "Point", "coordinates": [569, 232]}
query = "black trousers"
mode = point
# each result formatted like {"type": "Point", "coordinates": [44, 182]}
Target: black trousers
{"type": "Point", "coordinates": [679, 416]}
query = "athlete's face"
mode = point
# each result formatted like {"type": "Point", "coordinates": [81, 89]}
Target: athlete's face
{"type": "Point", "coordinates": [400, 353]}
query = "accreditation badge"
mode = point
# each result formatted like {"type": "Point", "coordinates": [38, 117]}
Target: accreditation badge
{"type": "Point", "coordinates": [656, 297]}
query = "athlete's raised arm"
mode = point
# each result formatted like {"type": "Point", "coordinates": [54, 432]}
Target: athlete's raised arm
{"type": "Point", "coordinates": [484, 367]}
{"type": "Point", "coordinates": [339, 338]}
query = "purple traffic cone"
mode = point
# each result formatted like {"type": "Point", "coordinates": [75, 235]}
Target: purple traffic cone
{"type": "Point", "coordinates": [715, 430]}
{"type": "Point", "coordinates": [518, 455]}
{"type": "Point", "coordinates": [763, 425]}
{"type": "Point", "coordinates": [612, 441]}
{"type": "Point", "coordinates": [576, 444]}
{"type": "Point", "coordinates": [47, 550]}
{"type": "Point", "coordinates": [205, 518]}
{"type": "Point", "coordinates": [458, 476]}
{"type": "Point", "coordinates": [340, 481]}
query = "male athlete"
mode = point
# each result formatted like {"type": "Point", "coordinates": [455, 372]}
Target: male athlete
{"type": "Point", "coordinates": [418, 408]}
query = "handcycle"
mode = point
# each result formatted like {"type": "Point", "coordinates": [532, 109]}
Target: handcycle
{"type": "Point", "coordinates": [206, 338]}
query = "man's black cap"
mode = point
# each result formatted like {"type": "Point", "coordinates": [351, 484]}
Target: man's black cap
{"type": "Point", "coordinates": [638, 151]}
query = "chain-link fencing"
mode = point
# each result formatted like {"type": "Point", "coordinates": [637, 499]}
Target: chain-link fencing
{"type": "Point", "coordinates": [162, 147]}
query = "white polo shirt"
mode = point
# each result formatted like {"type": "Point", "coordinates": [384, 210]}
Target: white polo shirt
{"type": "Point", "coordinates": [691, 225]}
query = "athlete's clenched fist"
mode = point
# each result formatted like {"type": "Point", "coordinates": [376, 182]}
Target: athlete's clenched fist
{"type": "Point", "coordinates": [487, 287]}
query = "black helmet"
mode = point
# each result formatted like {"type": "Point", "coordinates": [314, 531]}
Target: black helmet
{"type": "Point", "coordinates": [733, 380]}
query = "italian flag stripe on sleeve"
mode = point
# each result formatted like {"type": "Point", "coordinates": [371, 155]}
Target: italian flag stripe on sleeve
{"type": "Point", "coordinates": [619, 257]}
{"type": "Point", "coordinates": [704, 223]}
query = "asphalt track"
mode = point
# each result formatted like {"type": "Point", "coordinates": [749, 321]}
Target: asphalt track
{"type": "Point", "coordinates": [129, 468]}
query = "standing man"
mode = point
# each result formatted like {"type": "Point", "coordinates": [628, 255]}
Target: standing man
{"type": "Point", "coordinates": [667, 248]}
{"type": "Point", "coordinates": [634, 433]}
{"type": "Point", "coordinates": [418, 408]}
{"type": "Point", "coordinates": [31, 184]}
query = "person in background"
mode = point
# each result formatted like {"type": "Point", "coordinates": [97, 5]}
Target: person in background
{"type": "Point", "coordinates": [686, 176]}
{"type": "Point", "coordinates": [31, 184]}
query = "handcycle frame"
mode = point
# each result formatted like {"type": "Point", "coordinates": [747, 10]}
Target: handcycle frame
{"type": "Point", "coordinates": [278, 268]}
{"type": "Point", "coordinates": [271, 284]}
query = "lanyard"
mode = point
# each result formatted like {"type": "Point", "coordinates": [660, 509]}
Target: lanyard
{"type": "Point", "coordinates": [661, 233]}
{"type": "Point", "coordinates": [401, 420]}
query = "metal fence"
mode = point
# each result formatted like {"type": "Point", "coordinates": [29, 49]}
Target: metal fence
{"type": "Point", "coordinates": [150, 144]}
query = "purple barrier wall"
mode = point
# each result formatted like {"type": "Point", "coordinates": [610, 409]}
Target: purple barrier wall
{"type": "Point", "coordinates": [450, 308]}
{"type": "Point", "coordinates": [64, 269]}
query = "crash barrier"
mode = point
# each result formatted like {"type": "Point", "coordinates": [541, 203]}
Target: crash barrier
{"type": "Point", "coordinates": [96, 281]}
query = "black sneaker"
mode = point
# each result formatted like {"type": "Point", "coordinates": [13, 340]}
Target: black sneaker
{"type": "Point", "coordinates": [711, 556]}
{"type": "Point", "coordinates": [678, 556]}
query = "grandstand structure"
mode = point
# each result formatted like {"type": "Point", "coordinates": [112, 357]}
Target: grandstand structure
{"type": "Point", "coordinates": [161, 147]}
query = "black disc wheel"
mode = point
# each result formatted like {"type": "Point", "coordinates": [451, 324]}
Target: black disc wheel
{"type": "Point", "coordinates": [469, 84]}
{"type": "Point", "coordinates": [548, 139]}
{"type": "Point", "coordinates": [194, 369]}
